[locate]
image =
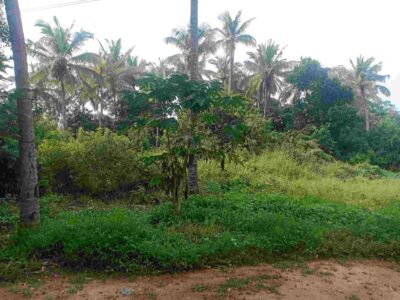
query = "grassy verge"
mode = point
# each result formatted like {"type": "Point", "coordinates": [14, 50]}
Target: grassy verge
{"type": "Point", "coordinates": [234, 227]}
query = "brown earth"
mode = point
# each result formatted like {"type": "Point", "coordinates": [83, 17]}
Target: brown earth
{"type": "Point", "coordinates": [315, 280]}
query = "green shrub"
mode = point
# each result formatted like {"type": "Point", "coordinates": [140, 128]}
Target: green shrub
{"type": "Point", "coordinates": [95, 162]}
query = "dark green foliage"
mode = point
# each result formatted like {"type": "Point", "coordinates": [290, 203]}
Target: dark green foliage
{"type": "Point", "coordinates": [82, 120]}
{"type": "Point", "coordinates": [8, 169]}
{"type": "Point", "coordinates": [210, 230]}
{"type": "Point", "coordinates": [345, 135]}
{"type": "Point", "coordinates": [8, 215]}
{"type": "Point", "coordinates": [8, 145]}
{"type": "Point", "coordinates": [8, 124]}
{"type": "Point", "coordinates": [320, 93]}
{"type": "Point", "coordinates": [384, 140]}
{"type": "Point", "coordinates": [326, 105]}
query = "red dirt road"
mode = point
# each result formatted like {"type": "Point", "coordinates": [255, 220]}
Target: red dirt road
{"type": "Point", "coordinates": [319, 280]}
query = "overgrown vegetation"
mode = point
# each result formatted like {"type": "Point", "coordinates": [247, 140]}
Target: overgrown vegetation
{"type": "Point", "coordinates": [295, 160]}
{"type": "Point", "coordinates": [233, 227]}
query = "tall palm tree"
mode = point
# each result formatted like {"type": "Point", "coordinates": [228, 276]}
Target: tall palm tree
{"type": "Point", "coordinates": [56, 52]}
{"type": "Point", "coordinates": [366, 84]}
{"type": "Point", "coordinates": [233, 32]}
{"type": "Point", "coordinates": [181, 39]}
{"type": "Point", "coordinates": [268, 70]}
{"type": "Point", "coordinates": [194, 75]}
{"type": "Point", "coordinates": [28, 198]}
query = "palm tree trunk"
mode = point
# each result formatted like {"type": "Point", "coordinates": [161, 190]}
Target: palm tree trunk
{"type": "Point", "coordinates": [267, 111]}
{"type": "Point", "coordinates": [194, 40]}
{"type": "Point", "coordinates": [115, 107]}
{"type": "Point", "coordinates": [365, 109]}
{"type": "Point", "coordinates": [101, 112]}
{"type": "Point", "coordinates": [157, 136]}
{"type": "Point", "coordinates": [63, 106]}
{"type": "Point", "coordinates": [28, 197]}
{"type": "Point", "coordinates": [265, 102]}
{"type": "Point", "coordinates": [194, 75]}
{"type": "Point", "coordinates": [231, 65]}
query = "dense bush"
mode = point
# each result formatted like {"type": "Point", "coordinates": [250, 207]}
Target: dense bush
{"type": "Point", "coordinates": [385, 143]}
{"type": "Point", "coordinates": [8, 167]}
{"type": "Point", "coordinates": [93, 162]}
{"type": "Point", "coordinates": [209, 229]}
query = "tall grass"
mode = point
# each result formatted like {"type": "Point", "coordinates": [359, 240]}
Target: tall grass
{"type": "Point", "coordinates": [280, 172]}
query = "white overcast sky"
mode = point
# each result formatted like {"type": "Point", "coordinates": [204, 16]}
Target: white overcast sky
{"type": "Point", "coordinates": [331, 31]}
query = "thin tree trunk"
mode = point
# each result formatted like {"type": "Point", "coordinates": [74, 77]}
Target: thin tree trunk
{"type": "Point", "coordinates": [267, 111]}
{"type": "Point", "coordinates": [28, 197]}
{"type": "Point", "coordinates": [194, 41]}
{"type": "Point", "coordinates": [366, 119]}
{"type": "Point", "coordinates": [194, 75]}
{"type": "Point", "coordinates": [157, 136]}
{"type": "Point", "coordinates": [83, 106]}
{"type": "Point", "coordinates": [101, 112]}
{"type": "Point", "coordinates": [63, 106]}
{"type": "Point", "coordinates": [265, 101]}
{"type": "Point", "coordinates": [115, 107]}
{"type": "Point", "coordinates": [231, 65]}
{"type": "Point", "coordinates": [366, 110]}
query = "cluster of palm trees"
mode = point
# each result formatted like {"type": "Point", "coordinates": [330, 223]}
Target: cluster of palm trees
{"type": "Point", "coordinates": [64, 75]}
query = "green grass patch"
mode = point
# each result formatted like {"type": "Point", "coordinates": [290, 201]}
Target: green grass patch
{"type": "Point", "coordinates": [237, 228]}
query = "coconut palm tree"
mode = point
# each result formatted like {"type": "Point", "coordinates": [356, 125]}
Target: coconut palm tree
{"type": "Point", "coordinates": [162, 69]}
{"type": "Point", "coordinates": [45, 94]}
{"type": "Point", "coordinates": [28, 197]}
{"type": "Point", "coordinates": [117, 71]}
{"type": "Point", "coordinates": [194, 51]}
{"type": "Point", "coordinates": [181, 39]}
{"type": "Point", "coordinates": [366, 83]}
{"type": "Point", "coordinates": [57, 54]}
{"type": "Point", "coordinates": [268, 70]}
{"type": "Point", "coordinates": [233, 32]}
{"type": "Point", "coordinates": [220, 72]}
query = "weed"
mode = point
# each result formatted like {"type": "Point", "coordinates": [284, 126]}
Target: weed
{"type": "Point", "coordinates": [14, 289]}
{"type": "Point", "coordinates": [232, 283]}
{"type": "Point", "coordinates": [307, 271]}
{"type": "Point", "coordinates": [241, 283]}
{"type": "Point", "coordinates": [152, 295]}
{"type": "Point", "coordinates": [396, 268]}
{"type": "Point", "coordinates": [325, 273]}
{"type": "Point", "coordinates": [201, 287]}
{"type": "Point", "coordinates": [76, 283]}
{"type": "Point", "coordinates": [27, 292]}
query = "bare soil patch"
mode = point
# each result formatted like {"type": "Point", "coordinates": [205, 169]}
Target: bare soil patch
{"type": "Point", "coordinates": [315, 280]}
